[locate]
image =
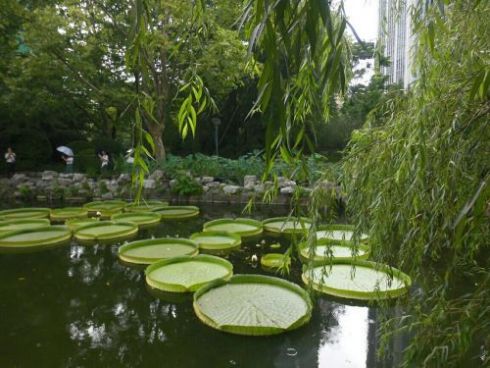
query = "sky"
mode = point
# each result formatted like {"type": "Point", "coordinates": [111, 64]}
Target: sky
{"type": "Point", "coordinates": [363, 15]}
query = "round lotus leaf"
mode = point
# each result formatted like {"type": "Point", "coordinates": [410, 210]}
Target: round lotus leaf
{"type": "Point", "coordinates": [327, 250]}
{"type": "Point", "coordinates": [151, 250]}
{"type": "Point", "coordinates": [29, 240]}
{"type": "Point", "coordinates": [363, 280]}
{"type": "Point", "coordinates": [177, 212]}
{"type": "Point", "coordinates": [74, 224]}
{"type": "Point", "coordinates": [286, 225]}
{"type": "Point", "coordinates": [253, 305]}
{"type": "Point", "coordinates": [244, 227]}
{"type": "Point", "coordinates": [142, 219]}
{"type": "Point", "coordinates": [217, 242]}
{"type": "Point", "coordinates": [187, 274]}
{"type": "Point", "coordinates": [338, 232]}
{"type": "Point", "coordinates": [145, 206]}
{"type": "Point", "coordinates": [105, 232]}
{"type": "Point", "coordinates": [105, 209]}
{"type": "Point", "coordinates": [68, 213]}
{"type": "Point", "coordinates": [15, 225]}
{"type": "Point", "coordinates": [25, 213]}
{"type": "Point", "coordinates": [275, 260]}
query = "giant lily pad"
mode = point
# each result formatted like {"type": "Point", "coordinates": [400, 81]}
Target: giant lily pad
{"type": "Point", "coordinates": [286, 225]}
{"type": "Point", "coordinates": [74, 224]}
{"type": "Point", "coordinates": [253, 305]}
{"type": "Point", "coordinates": [142, 219]}
{"type": "Point", "coordinates": [177, 212]}
{"type": "Point", "coordinates": [151, 250]}
{"type": "Point", "coordinates": [187, 274]}
{"type": "Point", "coordinates": [144, 206]}
{"type": "Point", "coordinates": [242, 226]}
{"type": "Point", "coordinates": [338, 232]}
{"type": "Point", "coordinates": [68, 213]}
{"type": "Point", "coordinates": [361, 280]}
{"type": "Point", "coordinates": [217, 242]}
{"type": "Point", "coordinates": [328, 250]}
{"type": "Point", "coordinates": [25, 213]}
{"type": "Point", "coordinates": [28, 240]}
{"type": "Point", "coordinates": [15, 225]}
{"type": "Point", "coordinates": [105, 232]}
{"type": "Point", "coordinates": [105, 209]}
{"type": "Point", "coordinates": [274, 261]}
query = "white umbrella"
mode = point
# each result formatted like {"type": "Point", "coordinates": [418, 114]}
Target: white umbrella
{"type": "Point", "coordinates": [66, 150]}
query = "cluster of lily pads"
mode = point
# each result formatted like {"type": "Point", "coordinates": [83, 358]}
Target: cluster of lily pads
{"type": "Point", "coordinates": [240, 304]}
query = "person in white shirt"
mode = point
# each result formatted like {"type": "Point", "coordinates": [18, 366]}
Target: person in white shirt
{"type": "Point", "coordinates": [69, 163]}
{"type": "Point", "coordinates": [10, 160]}
{"type": "Point", "coordinates": [104, 161]}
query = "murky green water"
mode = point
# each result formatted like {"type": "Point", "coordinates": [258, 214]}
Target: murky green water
{"type": "Point", "coordinates": [78, 306]}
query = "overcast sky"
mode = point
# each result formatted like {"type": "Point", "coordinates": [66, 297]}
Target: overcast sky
{"type": "Point", "coordinates": [363, 15]}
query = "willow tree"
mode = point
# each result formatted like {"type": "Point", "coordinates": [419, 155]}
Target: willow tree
{"type": "Point", "coordinates": [418, 179]}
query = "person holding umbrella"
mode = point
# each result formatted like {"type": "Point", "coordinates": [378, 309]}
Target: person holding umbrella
{"type": "Point", "coordinates": [68, 157]}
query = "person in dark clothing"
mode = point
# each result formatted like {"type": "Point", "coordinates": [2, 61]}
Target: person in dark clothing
{"type": "Point", "coordinates": [10, 159]}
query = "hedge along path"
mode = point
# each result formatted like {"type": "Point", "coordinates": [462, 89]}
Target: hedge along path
{"type": "Point", "coordinates": [187, 274]}
{"type": "Point", "coordinates": [148, 251]}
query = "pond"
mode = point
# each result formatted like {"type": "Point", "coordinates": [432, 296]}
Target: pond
{"type": "Point", "coordinates": [78, 306]}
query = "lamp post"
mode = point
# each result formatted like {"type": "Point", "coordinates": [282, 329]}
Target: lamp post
{"type": "Point", "coordinates": [216, 122]}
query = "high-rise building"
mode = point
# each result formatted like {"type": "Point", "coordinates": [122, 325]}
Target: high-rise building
{"type": "Point", "coordinates": [396, 40]}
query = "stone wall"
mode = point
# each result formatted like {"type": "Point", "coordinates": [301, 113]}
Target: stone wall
{"type": "Point", "coordinates": [54, 187]}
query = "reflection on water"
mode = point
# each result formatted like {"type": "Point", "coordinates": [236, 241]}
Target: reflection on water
{"type": "Point", "coordinates": [78, 306]}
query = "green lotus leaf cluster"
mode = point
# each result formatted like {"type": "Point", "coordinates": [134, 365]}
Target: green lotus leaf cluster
{"type": "Point", "coordinates": [338, 232]}
{"type": "Point", "coordinates": [326, 250]}
{"type": "Point", "coordinates": [145, 206]}
{"type": "Point", "coordinates": [28, 240]}
{"type": "Point", "coordinates": [152, 250]}
{"type": "Point", "coordinates": [142, 219]}
{"type": "Point", "coordinates": [253, 305]}
{"type": "Point", "coordinates": [104, 232]}
{"type": "Point", "coordinates": [74, 224]}
{"type": "Point", "coordinates": [286, 225]}
{"type": "Point", "coordinates": [105, 209]}
{"type": "Point", "coordinates": [244, 227]}
{"type": "Point", "coordinates": [68, 213]}
{"type": "Point", "coordinates": [177, 212]}
{"type": "Point", "coordinates": [363, 280]}
{"type": "Point", "coordinates": [187, 274]}
{"type": "Point", "coordinates": [22, 224]}
{"type": "Point", "coordinates": [25, 213]}
{"type": "Point", "coordinates": [275, 261]}
{"type": "Point", "coordinates": [217, 242]}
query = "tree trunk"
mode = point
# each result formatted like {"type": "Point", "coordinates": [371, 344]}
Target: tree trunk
{"type": "Point", "coordinates": [156, 132]}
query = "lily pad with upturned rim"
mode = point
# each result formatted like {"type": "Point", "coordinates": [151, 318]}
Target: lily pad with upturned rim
{"type": "Point", "coordinates": [338, 232]}
{"type": "Point", "coordinates": [327, 250]}
{"type": "Point", "coordinates": [29, 240]}
{"type": "Point", "coordinates": [26, 224]}
{"type": "Point", "coordinates": [274, 261]}
{"type": "Point", "coordinates": [142, 219]}
{"type": "Point", "coordinates": [105, 208]}
{"type": "Point", "coordinates": [152, 250]}
{"type": "Point", "coordinates": [286, 225]}
{"type": "Point", "coordinates": [105, 232]}
{"type": "Point", "coordinates": [253, 305]}
{"type": "Point", "coordinates": [362, 280]}
{"type": "Point", "coordinates": [74, 224]}
{"type": "Point", "coordinates": [187, 273]}
{"type": "Point", "coordinates": [25, 213]}
{"type": "Point", "coordinates": [67, 213]}
{"type": "Point", "coordinates": [144, 206]}
{"type": "Point", "coordinates": [217, 242]}
{"type": "Point", "coordinates": [177, 212]}
{"type": "Point", "coordinates": [244, 227]}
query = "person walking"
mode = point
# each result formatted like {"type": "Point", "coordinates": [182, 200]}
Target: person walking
{"type": "Point", "coordinates": [104, 161]}
{"type": "Point", "coordinates": [10, 158]}
{"type": "Point", "coordinates": [69, 160]}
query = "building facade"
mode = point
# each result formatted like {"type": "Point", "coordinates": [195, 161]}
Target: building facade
{"type": "Point", "coordinates": [396, 40]}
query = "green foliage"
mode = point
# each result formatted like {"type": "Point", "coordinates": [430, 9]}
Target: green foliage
{"type": "Point", "coordinates": [418, 180]}
{"type": "Point", "coordinates": [186, 185]}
